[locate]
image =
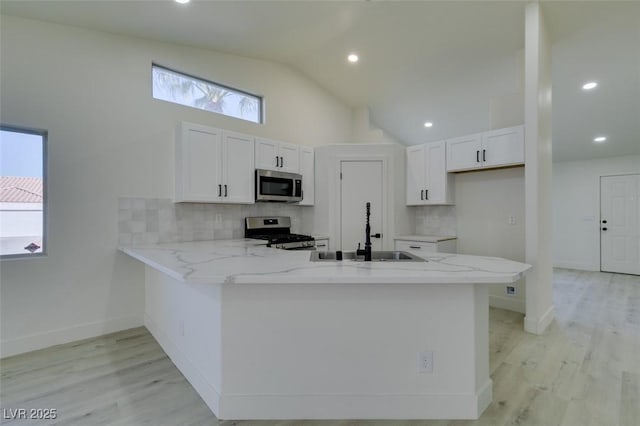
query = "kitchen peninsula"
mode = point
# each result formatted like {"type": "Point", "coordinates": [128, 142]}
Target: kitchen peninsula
{"type": "Point", "coordinates": [263, 333]}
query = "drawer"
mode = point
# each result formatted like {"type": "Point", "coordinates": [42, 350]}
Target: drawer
{"type": "Point", "coordinates": [416, 246]}
{"type": "Point", "coordinates": [322, 245]}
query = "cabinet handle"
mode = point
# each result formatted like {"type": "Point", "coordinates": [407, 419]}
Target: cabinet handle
{"type": "Point", "coordinates": [426, 194]}
{"type": "Point", "coordinates": [415, 247]}
{"type": "Point", "coordinates": [321, 245]}
{"type": "Point", "coordinates": [604, 221]}
{"type": "Point", "coordinates": [604, 229]}
{"type": "Point", "coordinates": [219, 190]}
{"type": "Point", "coordinates": [477, 156]}
{"type": "Point", "coordinates": [277, 161]}
{"type": "Point", "coordinates": [422, 194]}
{"type": "Point", "coordinates": [484, 155]}
{"type": "Point", "coordinates": [225, 191]}
{"type": "Point", "coordinates": [281, 162]}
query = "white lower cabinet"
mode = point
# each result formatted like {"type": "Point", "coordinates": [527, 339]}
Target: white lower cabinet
{"type": "Point", "coordinates": [424, 247]}
{"type": "Point", "coordinates": [213, 165]}
{"type": "Point", "coordinates": [322, 244]}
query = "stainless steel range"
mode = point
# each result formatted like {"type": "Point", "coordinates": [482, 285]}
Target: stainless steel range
{"type": "Point", "coordinates": [276, 230]}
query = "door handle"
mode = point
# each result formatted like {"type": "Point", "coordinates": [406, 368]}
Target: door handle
{"type": "Point", "coordinates": [219, 190]}
{"type": "Point", "coordinates": [422, 194]}
{"type": "Point", "coordinates": [604, 229]}
{"type": "Point", "coordinates": [477, 156]}
{"type": "Point", "coordinates": [484, 155]}
{"type": "Point", "coordinates": [378, 235]}
{"type": "Point", "coordinates": [225, 191]}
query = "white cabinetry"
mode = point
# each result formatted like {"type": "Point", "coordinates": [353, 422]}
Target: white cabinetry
{"type": "Point", "coordinates": [425, 248]}
{"type": "Point", "coordinates": [427, 178]}
{"type": "Point", "coordinates": [322, 244]}
{"type": "Point", "coordinates": [278, 156]}
{"type": "Point", "coordinates": [307, 170]}
{"type": "Point", "coordinates": [213, 165]}
{"type": "Point", "coordinates": [496, 148]}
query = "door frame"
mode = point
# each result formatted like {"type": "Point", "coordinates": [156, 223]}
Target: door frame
{"type": "Point", "coordinates": [335, 217]}
{"type": "Point", "coordinates": [600, 213]}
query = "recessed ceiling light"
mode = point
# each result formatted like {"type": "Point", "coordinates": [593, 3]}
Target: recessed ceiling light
{"type": "Point", "coordinates": [590, 85]}
{"type": "Point", "coordinates": [353, 58]}
{"type": "Point", "coordinates": [428, 124]}
{"type": "Point", "coordinates": [600, 139]}
{"type": "Point", "coordinates": [182, 1]}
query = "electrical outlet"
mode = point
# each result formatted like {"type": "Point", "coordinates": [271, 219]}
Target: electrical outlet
{"type": "Point", "coordinates": [425, 362]}
{"type": "Point", "coordinates": [510, 290]}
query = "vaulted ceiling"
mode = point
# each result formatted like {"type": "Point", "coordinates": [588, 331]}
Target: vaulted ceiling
{"type": "Point", "coordinates": [445, 62]}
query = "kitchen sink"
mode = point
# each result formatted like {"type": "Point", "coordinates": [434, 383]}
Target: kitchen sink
{"type": "Point", "coordinates": [376, 256]}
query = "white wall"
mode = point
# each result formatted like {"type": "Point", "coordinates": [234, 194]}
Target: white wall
{"type": "Point", "coordinates": [484, 201]}
{"type": "Point", "coordinates": [576, 208]}
{"type": "Point", "coordinates": [107, 139]}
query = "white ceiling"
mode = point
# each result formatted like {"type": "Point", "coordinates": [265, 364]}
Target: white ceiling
{"type": "Point", "coordinates": [440, 61]}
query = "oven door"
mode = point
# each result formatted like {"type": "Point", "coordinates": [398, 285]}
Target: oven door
{"type": "Point", "coordinates": [278, 186]}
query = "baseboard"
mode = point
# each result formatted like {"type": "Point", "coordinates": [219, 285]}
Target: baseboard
{"type": "Point", "coordinates": [576, 265]}
{"type": "Point", "coordinates": [539, 325]}
{"type": "Point", "coordinates": [207, 392]}
{"type": "Point", "coordinates": [69, 334]}
{"type": "Point", "coordinates": [348, 407]}
{"type": "Point", "coordinates": [509, 303]}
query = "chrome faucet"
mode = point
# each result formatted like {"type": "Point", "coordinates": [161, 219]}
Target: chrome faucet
{"type": "Point", "coordinates": [367, 241]}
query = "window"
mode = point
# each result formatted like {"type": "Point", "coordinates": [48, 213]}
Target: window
{"type": "Point", "coordinates": [183, 89]}
{"type": "Point", "coordinates": [23, 155]}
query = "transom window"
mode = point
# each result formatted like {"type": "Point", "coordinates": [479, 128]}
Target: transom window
{"type": "Point", "coordinates": [184, 89]}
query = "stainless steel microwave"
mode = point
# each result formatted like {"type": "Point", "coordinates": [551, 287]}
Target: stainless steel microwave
{"type": "Point", "coordinates": [283, 187]}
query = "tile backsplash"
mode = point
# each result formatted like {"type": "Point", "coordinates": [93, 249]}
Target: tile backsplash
{"type": "Point", "coordinates": [159, 220]}
{"type": "Point", "coordinates": [435, 220]}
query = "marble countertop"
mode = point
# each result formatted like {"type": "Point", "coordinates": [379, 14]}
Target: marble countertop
{"type": "Point", "coordinates": [246, 261]}
{"type": "Point", "coordinates": [425, 238]}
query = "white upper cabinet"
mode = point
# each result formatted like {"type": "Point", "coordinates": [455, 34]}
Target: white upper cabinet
{"type": "Point", "coordinates": [463, 153]}
{"type": "Point", "coordinates": [496, 148]}
{"type": "Point", "coordinates": [503, 147]}
{"type": "Point", "coordinates": [213, 165]}
{"type": "Point", "coordinates": [238, 168]}
{"type": "Point", "coordinates": [279, 156]}
{"type": "Point", "coordinates": [427, 178]}
{"type": "Point", "coordinates": [307, 170]}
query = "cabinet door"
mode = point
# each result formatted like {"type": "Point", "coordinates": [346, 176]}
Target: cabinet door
{"type": "Point", "coordinates": [464, 153]}
{"type": "Point", "coordinates": [307, 170]}
{"type": "Point", "coordinates": [289, 157]}
{"type": "Point", "coordinates": [267, 155]}
{"type": "Point", "coordinates": [416, 175]}
{"type": "Point", "coordinates": [238, 168]}
{"type": "Point", "coordinates": [503, 147]}
{"type": "Point", "coordinates": [436, 183]}
{"type": "Point", "coordinates": [198, 167]}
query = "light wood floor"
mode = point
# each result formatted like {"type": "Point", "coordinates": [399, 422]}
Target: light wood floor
{"type": "Point", "coordinates": [585, 370]}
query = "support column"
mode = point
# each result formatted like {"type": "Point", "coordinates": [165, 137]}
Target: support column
{"type": "Point", "coordinates": [538, 166]}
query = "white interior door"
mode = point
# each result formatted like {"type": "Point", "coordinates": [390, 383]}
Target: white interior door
{"type": "Point", "coordinates": [361, 182]}
{"type": "Point", "coordinates": [619, 224]}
